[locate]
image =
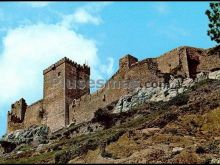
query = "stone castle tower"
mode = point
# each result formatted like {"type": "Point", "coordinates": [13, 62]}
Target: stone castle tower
{"type": "Point", "coordinates": [61, 82]}
{"type": "Point", "coordinates": [61, 86]}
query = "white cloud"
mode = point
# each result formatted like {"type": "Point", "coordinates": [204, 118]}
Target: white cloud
{"type": "Point", "coordinates": [29, 49]}
{"type": "Point", "coordinates": [37, 4]}
{"type": "Point", "coordinates": [88, 14]}
{"type": "Point", "coordinates": [81, 16]}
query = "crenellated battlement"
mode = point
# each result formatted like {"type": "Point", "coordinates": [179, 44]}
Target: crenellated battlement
{"type": "Point", "coordinates": [83, 67]}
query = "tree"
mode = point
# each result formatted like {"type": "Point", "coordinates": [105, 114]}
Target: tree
{"type": "Point", "coordinates": [214, 21]}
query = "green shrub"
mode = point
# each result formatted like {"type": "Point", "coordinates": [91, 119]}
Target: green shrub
{"type": "Point", "coordinates": [106, 154]}
{"type": "Point", "coordinates": [180, 99]}
{"type": "Point", "coordinates": [62, 157]}
{"type": "Point", "coordinates": [103, 117]}
{"type": "Point", "coordinates": [213, 147]}
{"type": "Point", "coordinates": [201, 83]}
{"type": "Point", "coordinates": [200, 150]}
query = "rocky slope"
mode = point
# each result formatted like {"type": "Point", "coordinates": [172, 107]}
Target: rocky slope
{"type": "Point", "coordinates": [175, 124]}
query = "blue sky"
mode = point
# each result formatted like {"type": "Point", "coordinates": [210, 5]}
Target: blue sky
{"type": "Point", "coordinates": [33, 35]}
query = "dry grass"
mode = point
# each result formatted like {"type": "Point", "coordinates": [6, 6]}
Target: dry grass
{"type": "Point", "coordinates": [122, 148]}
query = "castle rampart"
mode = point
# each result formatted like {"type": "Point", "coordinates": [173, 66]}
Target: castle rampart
{"type": "Point", "coordinates": [63, 104]}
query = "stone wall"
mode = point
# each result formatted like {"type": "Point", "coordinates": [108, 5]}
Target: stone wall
{"type": "Point", "coordinates": [34, 114]}
{"type": "Point", "coordinates": [14, 126]}
{"type": "Point", "coordinates": [18, 109]}
{"type": "Point", "coordinates": [16, 116]}
{"type": "Point", "coordinates": [182, 61]}
{"type": "Point", "coordinates": [174, 61]}
{"type": "Point", "coordinates": [209, 60]}
{"type": "Point", "coordinates": [126, 62]}
{"type": "Point", "coordinates": [82, 110]}
{"type": "Point", "coordinates": [145, 71]}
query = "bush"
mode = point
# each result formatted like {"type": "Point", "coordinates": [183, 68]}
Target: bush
{"type": "Point", "coordinates": [106, 154]}
{"type": "Point", "coordinates": [201, 83]}
{"type": "Point", "coordinates": [62, 157]}
{"type": "Point", "coordinates": [115, 136]}
{"type": "Point", "coordinates": [200, 150]}
{"type": "Point", "coordinates": [103, 117]}
{"type": "Point", "coordinates": [213, 147]}
{"type": "Point", "coordinates": [179, 100]}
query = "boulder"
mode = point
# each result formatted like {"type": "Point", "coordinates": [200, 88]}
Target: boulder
{"type": "Point", "coordinates": [172, 93]}
{"type": "Point", "coordinates": [150, 131]}
{"type": "Point", "coordinates": [35, 135]}
{"type": "Point", "coordinates": [188, 82]}
{"type": "Point", "coordinates": [174, 82]}
{"type": "Point", "coordinates": [215, 161]}
{"type": "Point", "coordinates": [181, 90]}
{"type": "Point", "coordinates": [41, 147]}
{"type": "Point", "coordinates": [124, 104]}
{"type": "Point", "coordinates": [177, 149]}
{"type": "Point", "coordinates": [214, 75]}
{"type": "Point", "coordinates": [201, 76]}
{"type": "Point", "coordinates": [159, 96]}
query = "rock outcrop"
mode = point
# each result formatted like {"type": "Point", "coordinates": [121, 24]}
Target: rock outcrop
{"type": "Point", "coordinates": [34, 135]}
{"type": "Point", "coordinates": [164, 93]}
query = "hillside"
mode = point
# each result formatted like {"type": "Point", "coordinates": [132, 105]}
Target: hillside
{"type": "Point", "coordinates": [174, 121]}
{"type": "Point", "coordinates": [184, 129]}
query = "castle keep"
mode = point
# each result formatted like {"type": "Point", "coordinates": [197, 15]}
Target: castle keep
{"type": "Point", "coordinates": [62, 105]}
{"type": "Point", "coordinates": [53, 109]}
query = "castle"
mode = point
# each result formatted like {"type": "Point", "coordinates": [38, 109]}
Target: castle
{"type": "Point", "coordinates": [61, 105]}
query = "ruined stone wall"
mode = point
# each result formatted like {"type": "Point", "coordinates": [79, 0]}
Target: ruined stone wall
{"type": "Point", "coordinates": [208, 63]}
{"type": "Point", "coordinates": [169, 61]}
{"type": "Point", "coordinates": [18, 109]}
{"type": "Point", "coordinates": [145, 71]}
{"type": "Point", "coordinates": [14, 126]}
{"type": "Point", "coordinates": [209, 60]}
{"type": "Point", "coordinates": [34, 114]}
{"type": "Point", "coordinates": [184, 61]}
{"type": "Point", "coordinates": [187, 61]}
{"type": "Point", "coordinates": [82, 110]}
{"type": "Point", "coordinates": [126, 62]}
{"type": "Point", "coordinates": [16, 116]}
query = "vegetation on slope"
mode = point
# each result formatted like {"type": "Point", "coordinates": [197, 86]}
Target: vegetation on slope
{"type": "Point", "coordinates": [182, 130]}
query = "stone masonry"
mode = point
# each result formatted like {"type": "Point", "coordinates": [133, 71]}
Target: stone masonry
{"type": "Point", "coordinates": [65, 102]}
